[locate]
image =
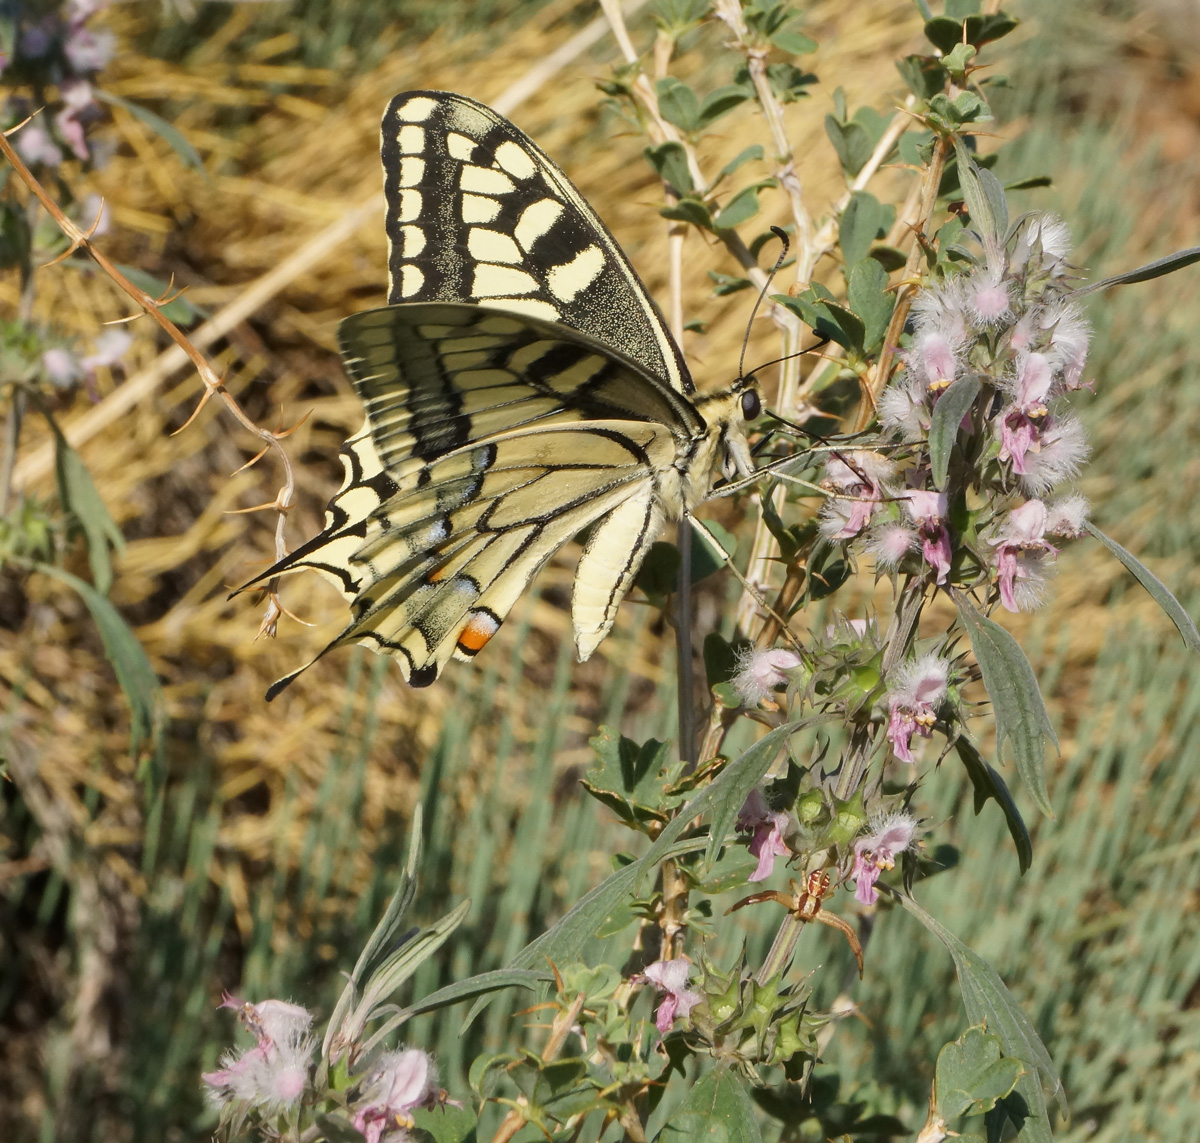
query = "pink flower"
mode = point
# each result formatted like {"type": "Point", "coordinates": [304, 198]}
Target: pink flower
{"type": "Point", "coordinates": [915, 691]}
{"type": "Point", "coordinates": [1020, 552]}
{"type": "Point", "coordinates": [399, 1082]}
{"type": "Point", "coordinates": [670, 976]}
{"type": "Point", "coordinates": [890, 836]}
{"type": "Point", "coordinates": [1022, 423]}
{"type": "Point", "coordinates": [77, 99]}
{"type": "Point", "coordinates": [107, 350]}
{"type": "Point", "coordinates": [62, 369]}
{"type": "Point", "coordinates": [35, 145]}
{"type": "Point", "coordinates": [768, 827]}
{"type": "Point", "coordinates": [1066, 517]}
{"type": "Point", "coordinates": [928, 511]}
{"type": "Point", "coordinates": [1059, 453]}
{"type": "Point", "coordinates": [760, 672]}
{"type": "Point", "coordinates": [858, 479]}
{"type": "Point", "coordinates": [890, 543]}
{"type": "Point", "coordinates": [987, 297]}
{"type": "Point", "coordinates": [274, 1073]}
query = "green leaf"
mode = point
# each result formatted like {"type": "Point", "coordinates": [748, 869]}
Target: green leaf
{"type": "Point", "coordinates": [1156, 269]}
{"type": "Point", "coordinates": [721, 102]}
{"type": "Point", "coordinates": [947, 416]}
{"type": "Point", "coordinates": [689, 210]}
{"type": "Point", "coordinates": [742, 207]}
{"type": "Point", "coordinates": [924, 76]}
{"type": "Point", "coordinates": [178, 310]}
{"type": "Point", "coordinates": [629, 778]}
{"type": "Point", "coordinates": [670, 161]}
{"type": "Point", "coordinates": [862, 222]}
{"type": "Point", "coordinates": [945, 33]}
{"type": "Point", "coordinates": [678, 104]}
{"type": "Point", "coordinates": [1021, 715]}
{"type": "Point", "coordinates": [973, 1075]}
{"type": "Point", "coordinates": [166, 131]}
{"type": "Point", "coordinates": [726, 284]}
{"type": "Point", "coordinates": [978, 200]}
{"type": "Point", "coordinates": [445, 1123]}
{"type": "Point", "coordinates": [658, 576]}
{"type": "Point", "coordinates": [135, 675]}
{"type": "Point", "coordinates": [749, 154]}
{"type": "Point", "coordinates": [868, 296]}
{"type": "Point", "coordinates": [716, 1110]}
{"type": "Point", "coordinates": [80, 498]}
{"type": "Point", "coordinates": [1158, 590]}
{"type": "Point", "coordinates": [988, 1001]}
{"type": "Point", "coordinates": [851, 141]}
{"type": "Point", "coordinates": [705, 560]}
{"type": "Point", "coordinates": [827, 319]}
{"type": "Point", "coordinates": [482, 985]}
{"type": "Point", "coordinates": [793, 42]}
{"type": "Point", "coordinates": [957, 61]}
{"type": "Point", "coordinates": [989, 784]}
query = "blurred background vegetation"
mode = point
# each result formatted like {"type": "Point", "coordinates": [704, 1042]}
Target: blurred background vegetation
{"type": "Point", "coordinates": [256, 848]}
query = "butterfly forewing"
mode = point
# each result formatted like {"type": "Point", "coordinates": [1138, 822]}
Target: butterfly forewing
{"type": "Point", "coordinates": [521, 388]}
{"type": "Point", "coordinates": [477, 212]}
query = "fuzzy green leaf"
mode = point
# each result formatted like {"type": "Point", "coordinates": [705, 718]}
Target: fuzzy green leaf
{"type": "Point", "coordinates": [973, 1075]}
{"type": "Point", "coordinates": [1155, 269]}
{"type": "Point", "coordinates": [1158, 590]}
{"type": "Point", "coordinates": [868, 296]}
{"type": "Point", "coordinates": [169, 133]}
{"type": "Point", "coordinates": [1020, 711]}
{"type": "Point", "coordinates": [670, 161]}
{"type": "Point", "coordinates": [80, 498]}
{"type": "Point", "coordinates": [988, 784]}
{"type": "Point", "coordinates": [720, 102]}
{"type": "Point", "coordinates": [135, 675]}
{"type": "Point", "coordinates": [716, 1110]}
{"type": "Point", "coordinates": [678, 104]}
{"type": "Point", "coordinates": [741, 208]}
{"type": "Point", "coordinates": [446, 1123]}
{"type": "Point", "coordinates": [689, 210]}
{"type": "Point", "coordinates": [988, 1001]}
{"type": "Point", "coordinates": [948, 413]}
{"type": "Point", "coordinates": [861, 223]}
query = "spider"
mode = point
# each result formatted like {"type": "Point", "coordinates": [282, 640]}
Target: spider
{"type": "Point", "coordinates": [805, 905]}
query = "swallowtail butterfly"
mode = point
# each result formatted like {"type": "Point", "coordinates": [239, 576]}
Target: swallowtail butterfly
{"type": "Point", "coordinates": [520, 386]}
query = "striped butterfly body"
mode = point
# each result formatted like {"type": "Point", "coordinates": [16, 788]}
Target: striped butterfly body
{"type": "Point", "coordinates": [520, 387]}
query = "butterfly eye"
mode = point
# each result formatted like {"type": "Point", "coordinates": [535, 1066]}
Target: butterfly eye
{"type": "Point", "coordinates": [751, 405]}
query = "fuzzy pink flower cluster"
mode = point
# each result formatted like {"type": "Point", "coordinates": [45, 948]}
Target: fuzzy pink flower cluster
{"type": "Point", "coordinates": [1010, 324]}
{"type": "Point", "coordinates": [273, 1074]}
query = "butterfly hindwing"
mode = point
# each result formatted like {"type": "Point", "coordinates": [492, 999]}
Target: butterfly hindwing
{"type": "Point", "coordinates": [478, 212]}
{"type": "Point", "coordinates": [520, 388]}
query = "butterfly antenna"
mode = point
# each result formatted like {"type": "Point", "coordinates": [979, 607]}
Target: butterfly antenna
{"type": "Point", "coordinates": [781, 234]}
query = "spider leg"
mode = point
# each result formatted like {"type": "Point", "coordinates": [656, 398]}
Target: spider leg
{"type": "Point", "coordinates": [850, 935]}
{"type": "Point", "coordinates": [768, 895]}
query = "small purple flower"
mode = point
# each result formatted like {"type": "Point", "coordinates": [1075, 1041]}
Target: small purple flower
{"type": "Point", "coordinates": [890, 543]}
{"type": "Point", "coordinates": [77, 104]}
{"type": "Point", "coordinates": [1069, 341]}
{"type": "Point", "coordinates": [890, 836]}
{"type": "Point", "coordinates": [768, 827]}
{"type": "Point", "coordinates": [34, 145]}
{"type": "Point", "coordinates": [1021, 550]}
{"type": "Point", "coordinates": [88, 51]}
{"type": "Point", "coordinates": [399, 1083]}
{"type": "Point", "coordinates": [107, 350]}
{"type": "Point", "coordinates": [915, 691]}
{"type": "Point", "coordinates": [670, 976]}
{"type": "Point", "coordinates": [1067, 517]}
{"type": "Point", "coordinates": [1022, 422]}
{"type": "Point", "coordinates": [760, 672]}
{"type": "Point", "coordinates": [928, 511]}
{"type": "Point", "coordinates": [274, 1073]}
{"type": "Point", "coordinates": [1061, 450]}
{"type": "Point", "coordinates": [61, 366]}
{"type": "Point", "coordinates": [858, 479]}
{"type": "Point", "coordinates": [987, 298]}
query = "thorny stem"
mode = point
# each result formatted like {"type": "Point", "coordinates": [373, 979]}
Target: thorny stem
{"type": "Point", "coordinates": [213, 385]}
{"type": "Point", "coordinates": [559, 1031]}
